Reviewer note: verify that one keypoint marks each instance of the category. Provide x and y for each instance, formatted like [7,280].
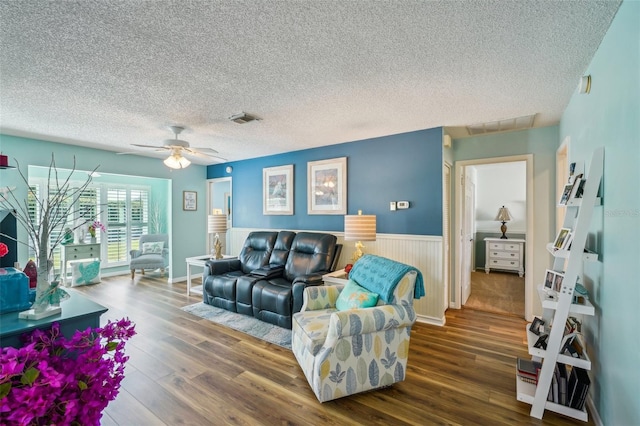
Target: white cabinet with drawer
[72,252]
[504,254]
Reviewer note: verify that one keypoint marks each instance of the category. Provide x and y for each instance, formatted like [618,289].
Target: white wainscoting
[423,252]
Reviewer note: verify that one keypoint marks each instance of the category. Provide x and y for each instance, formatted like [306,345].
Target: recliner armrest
[269,271]
[135,253]
[311,279]
[221,266]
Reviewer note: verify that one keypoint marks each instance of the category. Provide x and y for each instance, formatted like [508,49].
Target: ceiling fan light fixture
[176,161]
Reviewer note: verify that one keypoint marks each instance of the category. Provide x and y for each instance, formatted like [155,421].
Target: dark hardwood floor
[186,370]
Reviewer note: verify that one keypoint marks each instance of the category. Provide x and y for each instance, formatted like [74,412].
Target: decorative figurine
[68,237]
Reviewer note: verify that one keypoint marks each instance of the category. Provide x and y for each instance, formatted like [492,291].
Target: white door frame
[529,254]
[446,232]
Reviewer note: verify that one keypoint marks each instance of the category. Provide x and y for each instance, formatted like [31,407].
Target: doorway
[470,244]
[220,201]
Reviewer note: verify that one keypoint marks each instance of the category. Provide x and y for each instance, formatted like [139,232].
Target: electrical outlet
[403,204]
[392,206]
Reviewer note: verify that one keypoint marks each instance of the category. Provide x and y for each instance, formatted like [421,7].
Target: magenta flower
[55,380]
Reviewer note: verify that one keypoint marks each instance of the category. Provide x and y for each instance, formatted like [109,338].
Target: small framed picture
[566,194]
[537,326]
[557,281]
[189,200]
[548,280]
[541,343]
[562,239]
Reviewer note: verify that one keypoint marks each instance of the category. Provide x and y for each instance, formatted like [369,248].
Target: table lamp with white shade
[503,216]
[217,224]
[360,227]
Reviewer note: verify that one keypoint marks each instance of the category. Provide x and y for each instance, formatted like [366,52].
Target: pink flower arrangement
[95,226]
[54,380]
[3,249]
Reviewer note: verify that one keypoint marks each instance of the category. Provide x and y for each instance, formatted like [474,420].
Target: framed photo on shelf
[561,239]
[277,190]
[189,200]
[548,280]
[566,193]
[537,326]
[541,343]
[557,281]
[327,192]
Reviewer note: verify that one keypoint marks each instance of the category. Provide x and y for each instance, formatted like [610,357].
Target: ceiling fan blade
[150,146]
[190,152]
[205,150]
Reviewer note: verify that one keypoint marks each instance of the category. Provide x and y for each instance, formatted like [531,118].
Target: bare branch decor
[55,205]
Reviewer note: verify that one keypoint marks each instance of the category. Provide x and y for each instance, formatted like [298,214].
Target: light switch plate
[392,206]
[403,204]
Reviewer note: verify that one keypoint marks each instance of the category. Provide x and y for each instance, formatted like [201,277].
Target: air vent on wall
[518,123]
[242,118]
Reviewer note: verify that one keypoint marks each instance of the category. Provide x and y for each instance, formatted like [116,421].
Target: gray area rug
[246,324]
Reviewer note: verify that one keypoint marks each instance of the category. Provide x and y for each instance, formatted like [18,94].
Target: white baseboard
[431,320]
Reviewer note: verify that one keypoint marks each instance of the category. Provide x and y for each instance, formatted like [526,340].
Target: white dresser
[504,254]
[72,252]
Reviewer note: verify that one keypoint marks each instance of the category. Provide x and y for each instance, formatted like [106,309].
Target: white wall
[497,185]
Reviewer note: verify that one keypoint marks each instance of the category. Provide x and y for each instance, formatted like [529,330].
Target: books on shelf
[569,386]
[528,370]
[578,388]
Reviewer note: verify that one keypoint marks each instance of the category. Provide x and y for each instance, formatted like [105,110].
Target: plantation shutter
[116,225]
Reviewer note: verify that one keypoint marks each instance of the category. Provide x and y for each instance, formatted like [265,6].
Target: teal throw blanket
[381,275]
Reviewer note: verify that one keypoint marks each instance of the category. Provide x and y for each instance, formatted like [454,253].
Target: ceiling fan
[178,147]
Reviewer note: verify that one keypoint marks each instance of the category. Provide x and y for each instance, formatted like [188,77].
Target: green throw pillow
[355,297]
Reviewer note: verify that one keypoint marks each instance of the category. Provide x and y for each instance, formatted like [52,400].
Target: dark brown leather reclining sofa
[268,277]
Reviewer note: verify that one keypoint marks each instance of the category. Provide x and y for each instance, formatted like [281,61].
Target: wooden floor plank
[187,370]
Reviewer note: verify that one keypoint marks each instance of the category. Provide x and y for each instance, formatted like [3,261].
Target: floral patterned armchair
[355,350]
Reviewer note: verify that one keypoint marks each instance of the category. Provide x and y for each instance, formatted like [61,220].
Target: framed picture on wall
[327,192]
[277,190]
[189,200]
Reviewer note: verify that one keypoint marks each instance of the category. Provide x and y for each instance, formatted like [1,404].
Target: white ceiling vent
[242,118]
[518,123]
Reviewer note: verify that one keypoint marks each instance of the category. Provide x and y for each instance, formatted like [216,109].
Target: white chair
[152,253]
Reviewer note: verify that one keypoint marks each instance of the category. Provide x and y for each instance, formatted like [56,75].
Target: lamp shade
[360,227]
[177,161]
[503,215]
[216,223]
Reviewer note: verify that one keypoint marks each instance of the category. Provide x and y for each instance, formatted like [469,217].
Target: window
[124,209]
[127,217]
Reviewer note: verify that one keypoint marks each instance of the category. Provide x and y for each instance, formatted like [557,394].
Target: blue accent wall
[402,167]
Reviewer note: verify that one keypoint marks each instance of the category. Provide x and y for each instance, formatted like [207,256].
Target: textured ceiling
[107,74]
